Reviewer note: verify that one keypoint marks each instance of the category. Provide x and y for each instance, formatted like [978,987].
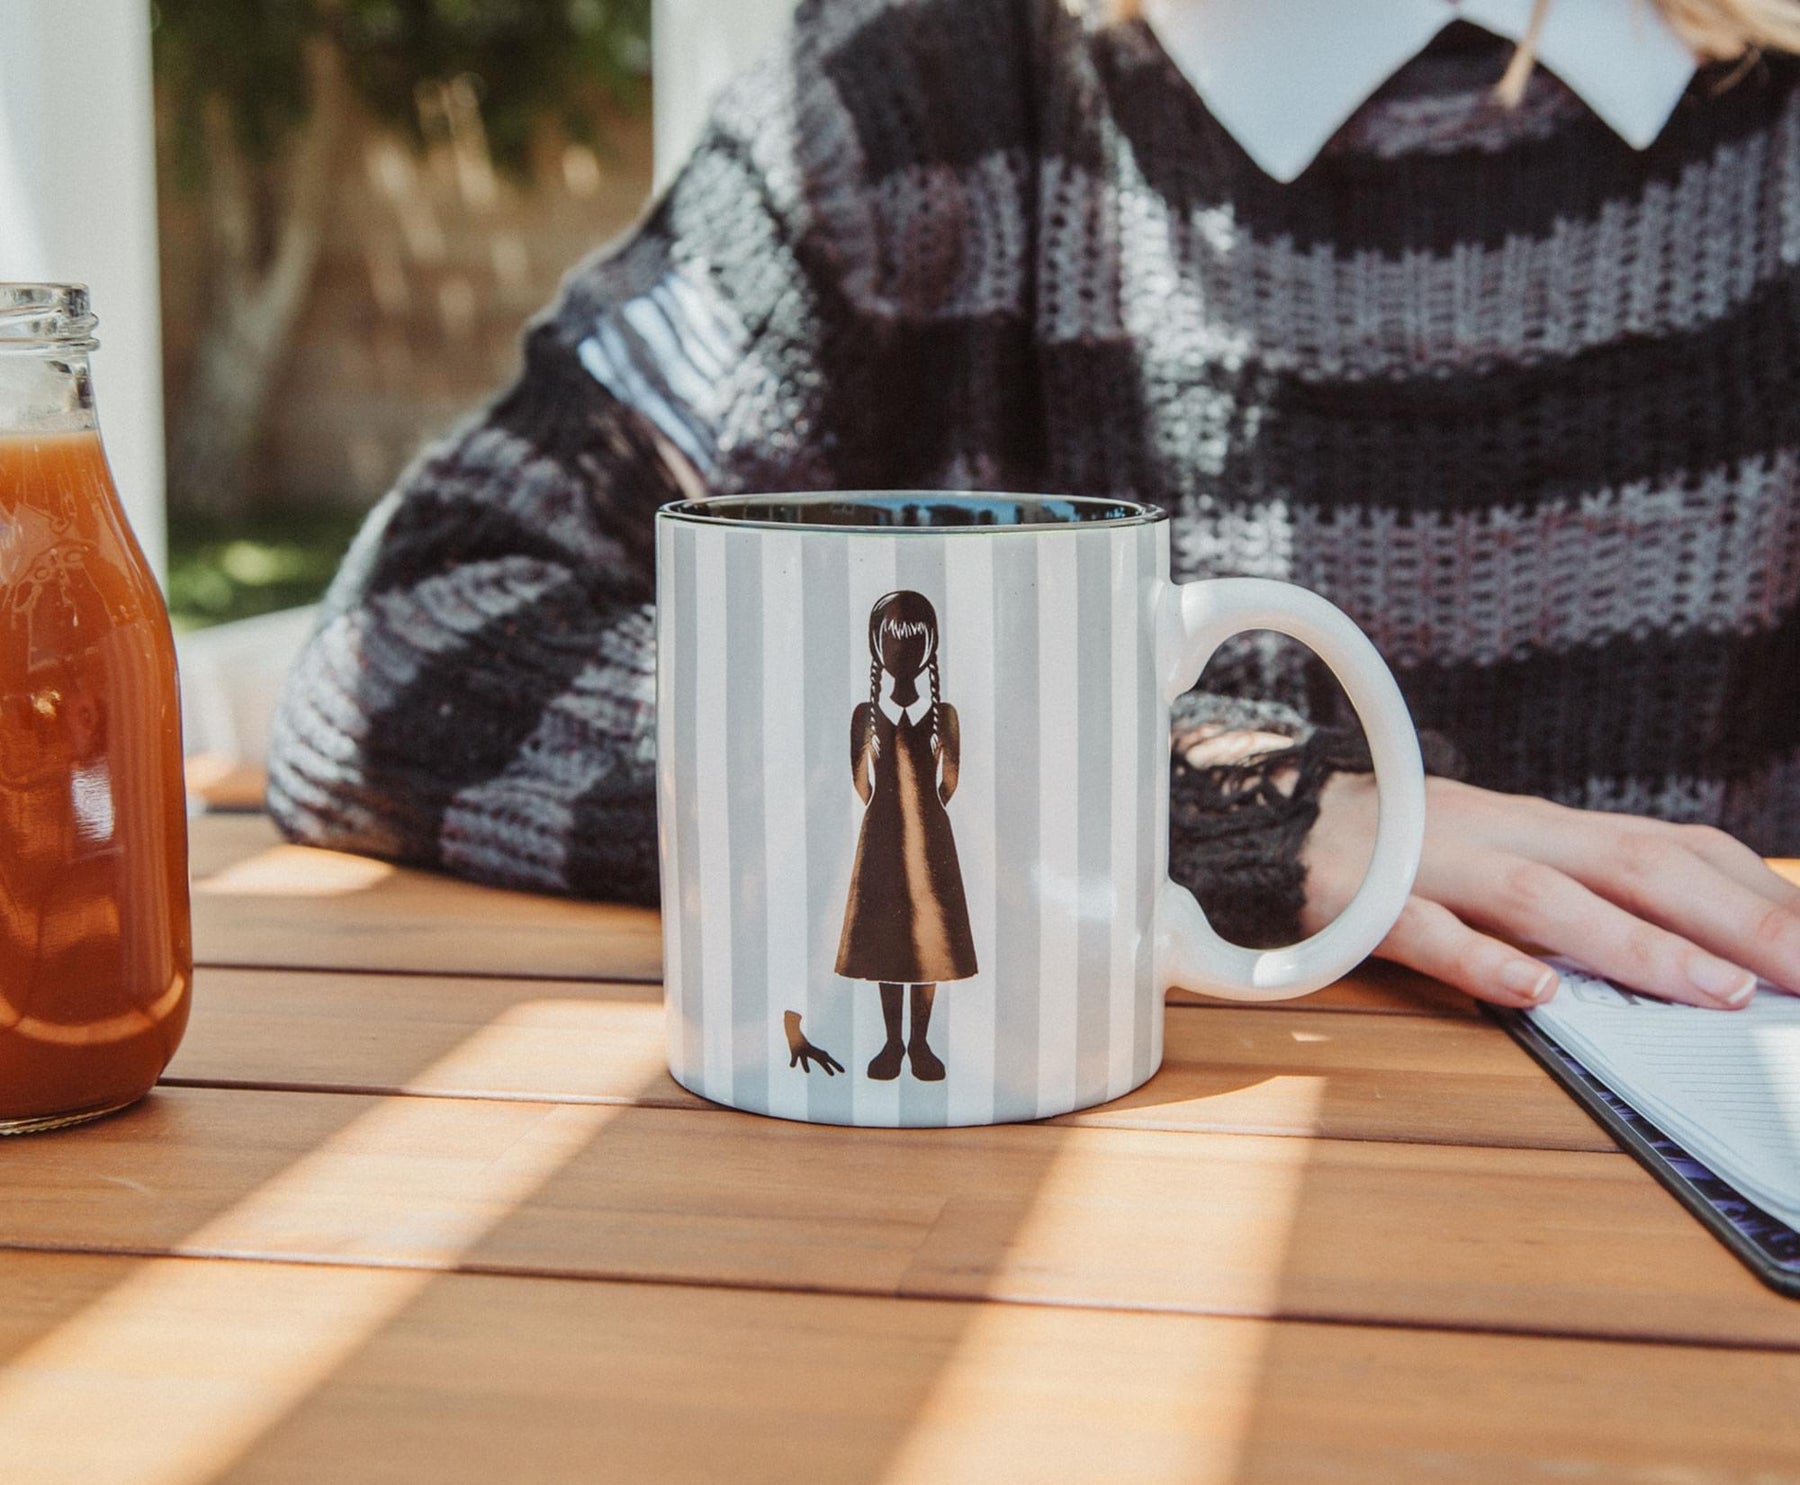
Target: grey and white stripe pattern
[667,353]
[960,244]
[1482,586]
[1765,800]
[1046,650]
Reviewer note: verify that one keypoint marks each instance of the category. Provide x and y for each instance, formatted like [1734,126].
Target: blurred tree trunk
[265,264]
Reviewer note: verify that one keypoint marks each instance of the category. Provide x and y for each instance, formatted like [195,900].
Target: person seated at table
[1515,380]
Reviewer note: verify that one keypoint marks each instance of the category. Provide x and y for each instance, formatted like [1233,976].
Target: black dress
[906,921]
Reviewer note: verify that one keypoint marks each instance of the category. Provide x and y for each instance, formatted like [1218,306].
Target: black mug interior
[917,510]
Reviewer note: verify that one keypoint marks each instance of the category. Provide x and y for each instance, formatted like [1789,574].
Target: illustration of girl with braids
[906,923]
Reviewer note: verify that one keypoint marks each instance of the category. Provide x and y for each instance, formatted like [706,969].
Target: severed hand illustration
[802,1053]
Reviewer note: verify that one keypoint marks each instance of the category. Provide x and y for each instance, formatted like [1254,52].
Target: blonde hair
[1717,30]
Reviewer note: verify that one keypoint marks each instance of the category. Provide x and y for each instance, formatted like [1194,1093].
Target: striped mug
[913,799]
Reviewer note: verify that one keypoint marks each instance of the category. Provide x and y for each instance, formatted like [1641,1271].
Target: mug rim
[713,510]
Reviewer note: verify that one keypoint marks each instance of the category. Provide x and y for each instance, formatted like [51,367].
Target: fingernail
[1720,981]
[1524,977]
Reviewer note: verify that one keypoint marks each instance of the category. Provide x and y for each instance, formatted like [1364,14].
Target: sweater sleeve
[478,694]
[1236,830]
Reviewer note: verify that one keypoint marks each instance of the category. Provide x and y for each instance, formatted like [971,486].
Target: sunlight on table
[1195,1414]
[296,871]
[173,1375]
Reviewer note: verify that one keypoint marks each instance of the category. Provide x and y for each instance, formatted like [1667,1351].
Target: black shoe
[927,1067]
[885,1066]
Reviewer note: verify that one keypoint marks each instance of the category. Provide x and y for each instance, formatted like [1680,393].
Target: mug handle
[1193,620]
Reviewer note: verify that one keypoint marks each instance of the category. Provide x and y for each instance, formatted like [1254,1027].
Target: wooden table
[418,1202]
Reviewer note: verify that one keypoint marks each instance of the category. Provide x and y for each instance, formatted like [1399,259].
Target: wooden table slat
[281,1375]
[1449,1236]
[1230,1069]
[260,902]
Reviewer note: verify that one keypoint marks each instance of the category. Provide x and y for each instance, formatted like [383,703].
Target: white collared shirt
[1283,75]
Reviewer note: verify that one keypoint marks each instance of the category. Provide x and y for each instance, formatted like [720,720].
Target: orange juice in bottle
[96,955]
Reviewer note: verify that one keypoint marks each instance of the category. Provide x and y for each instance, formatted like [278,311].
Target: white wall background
[696,45]
[78,203]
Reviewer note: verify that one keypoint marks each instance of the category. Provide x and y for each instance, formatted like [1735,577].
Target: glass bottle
[96,953]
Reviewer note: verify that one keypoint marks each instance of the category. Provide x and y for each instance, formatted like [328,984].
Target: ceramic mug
[913,794]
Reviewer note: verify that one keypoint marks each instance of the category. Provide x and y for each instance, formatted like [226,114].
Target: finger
[1431,939]
[1738,862]
[1220,748]
[1539,828]
[1536,903]
[1657,877]
[833,1066]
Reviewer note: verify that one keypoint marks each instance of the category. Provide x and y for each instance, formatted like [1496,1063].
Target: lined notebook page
[1724,1084]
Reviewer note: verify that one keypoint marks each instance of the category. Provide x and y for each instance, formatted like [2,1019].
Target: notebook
[1724,1085]
[1767,1245]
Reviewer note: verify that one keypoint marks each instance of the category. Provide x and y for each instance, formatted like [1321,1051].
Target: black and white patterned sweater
[1518,398]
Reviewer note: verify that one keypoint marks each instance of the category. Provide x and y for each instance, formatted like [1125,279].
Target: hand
[801,1052]
[1681,912]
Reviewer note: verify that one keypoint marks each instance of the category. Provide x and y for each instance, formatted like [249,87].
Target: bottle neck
[45,389]
[46,332]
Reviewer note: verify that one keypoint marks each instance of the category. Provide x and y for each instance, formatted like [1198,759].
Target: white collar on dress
[892,711]
[1284,75]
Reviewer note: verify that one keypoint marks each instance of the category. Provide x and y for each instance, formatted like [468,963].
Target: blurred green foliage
[269,561]
[532,62]
[561,65]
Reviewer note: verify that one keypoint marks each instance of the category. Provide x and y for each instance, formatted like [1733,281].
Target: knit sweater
[1518,398]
